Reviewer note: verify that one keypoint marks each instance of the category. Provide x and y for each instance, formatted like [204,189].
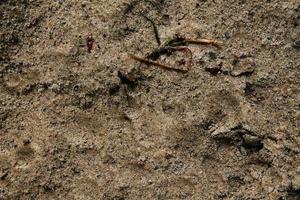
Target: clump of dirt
[80,120]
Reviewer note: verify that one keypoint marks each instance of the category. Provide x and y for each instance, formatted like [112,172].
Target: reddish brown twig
[167,67]
[150,62]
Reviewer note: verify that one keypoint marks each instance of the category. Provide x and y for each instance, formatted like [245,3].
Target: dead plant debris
[90,43]
[171,45]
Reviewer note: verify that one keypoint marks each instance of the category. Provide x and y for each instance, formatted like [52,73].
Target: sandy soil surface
[87,125]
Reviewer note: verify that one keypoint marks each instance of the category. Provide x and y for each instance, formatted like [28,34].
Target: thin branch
[155,30]
[167,67]
[150,62]
[205,42]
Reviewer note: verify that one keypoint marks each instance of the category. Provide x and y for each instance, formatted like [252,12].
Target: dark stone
[296,44]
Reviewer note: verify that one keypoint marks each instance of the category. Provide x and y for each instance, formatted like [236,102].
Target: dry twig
[150,62]
[177,43]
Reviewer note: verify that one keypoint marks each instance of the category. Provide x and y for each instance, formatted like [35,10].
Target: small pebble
[251,140]
[296,44]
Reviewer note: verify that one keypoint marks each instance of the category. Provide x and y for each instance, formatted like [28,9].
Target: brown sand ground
[71,129]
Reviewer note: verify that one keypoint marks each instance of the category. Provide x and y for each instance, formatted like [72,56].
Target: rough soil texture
[71,128]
